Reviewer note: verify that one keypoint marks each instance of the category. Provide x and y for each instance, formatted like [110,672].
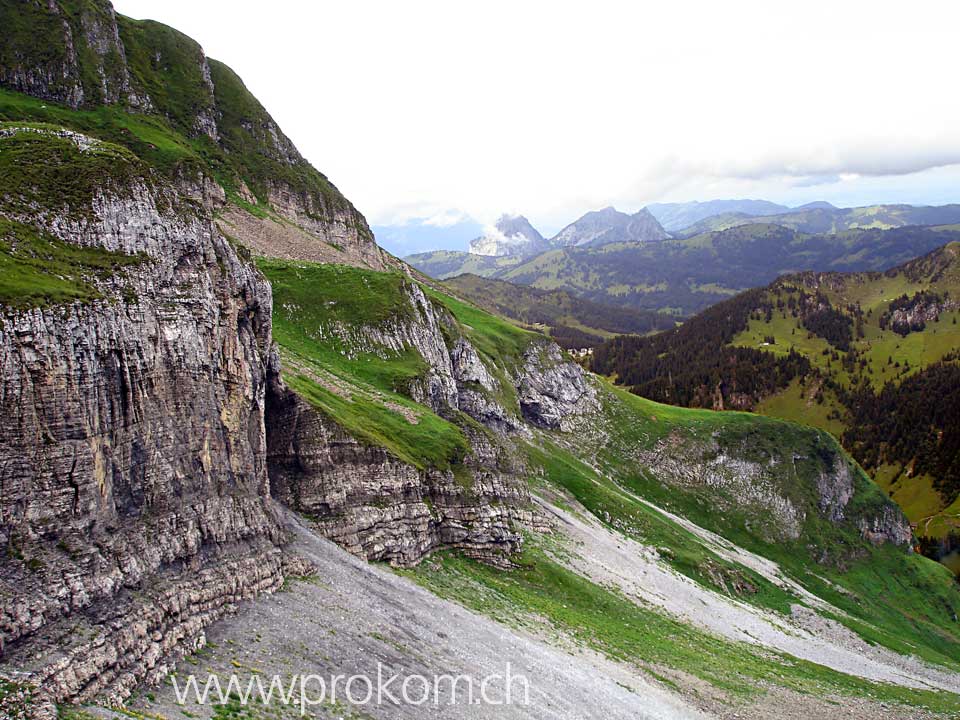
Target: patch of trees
[916,421]
[573,338]
[691,364]
[939,548]
[821,318]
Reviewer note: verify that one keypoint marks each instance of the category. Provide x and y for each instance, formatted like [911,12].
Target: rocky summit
[512,235]
[237,439]
[607,226]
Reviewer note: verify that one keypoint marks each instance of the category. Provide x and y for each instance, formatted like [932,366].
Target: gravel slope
[358,614]
[355,615]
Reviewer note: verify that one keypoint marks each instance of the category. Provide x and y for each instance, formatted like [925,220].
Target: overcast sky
[430,109]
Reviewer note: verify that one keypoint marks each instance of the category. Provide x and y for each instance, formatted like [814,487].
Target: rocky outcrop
[911,314]
[477,390]
[732,481]
[769,491]
[132,448]
[334,225]
[552,393]
[889,525]
[835,489]
[381,508]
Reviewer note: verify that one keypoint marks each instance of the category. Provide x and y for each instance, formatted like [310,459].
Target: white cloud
[446,218]
[554,108]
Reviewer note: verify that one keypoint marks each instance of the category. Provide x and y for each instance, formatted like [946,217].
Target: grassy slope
[903,602]
[917,350]
[362,387]
[39,170]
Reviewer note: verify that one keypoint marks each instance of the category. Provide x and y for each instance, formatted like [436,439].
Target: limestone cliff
[382,507]
[135,507]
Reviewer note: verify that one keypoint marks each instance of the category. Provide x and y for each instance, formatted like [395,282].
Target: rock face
[384,509]
[552,393]
[84,62]
[512,235]
[135,494]
[602,227]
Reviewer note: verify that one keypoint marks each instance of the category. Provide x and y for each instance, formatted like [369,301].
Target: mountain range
[676,219]
[684,276]
[610,226]
[513,235]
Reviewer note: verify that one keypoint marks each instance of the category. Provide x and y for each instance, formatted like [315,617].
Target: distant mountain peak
[817,205]
[609,225]
[512,235]
[677,216]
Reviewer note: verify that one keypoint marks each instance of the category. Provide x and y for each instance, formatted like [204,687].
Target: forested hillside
[871,357]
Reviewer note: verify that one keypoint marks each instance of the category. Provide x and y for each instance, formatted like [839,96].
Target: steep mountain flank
[148,87]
